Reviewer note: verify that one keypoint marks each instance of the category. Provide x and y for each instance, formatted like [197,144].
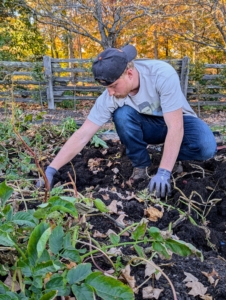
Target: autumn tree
[102,21]
[201,24]
[19,35]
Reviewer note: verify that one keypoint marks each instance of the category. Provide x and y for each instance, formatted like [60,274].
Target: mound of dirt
[196,211]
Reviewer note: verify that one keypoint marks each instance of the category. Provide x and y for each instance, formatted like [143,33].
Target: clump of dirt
[198,192]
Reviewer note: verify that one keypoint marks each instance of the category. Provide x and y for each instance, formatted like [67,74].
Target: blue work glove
[50,172]
[161,183]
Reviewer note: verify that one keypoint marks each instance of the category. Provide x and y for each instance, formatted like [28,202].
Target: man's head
[111,63]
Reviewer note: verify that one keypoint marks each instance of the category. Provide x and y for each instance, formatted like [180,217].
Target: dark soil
[200,191]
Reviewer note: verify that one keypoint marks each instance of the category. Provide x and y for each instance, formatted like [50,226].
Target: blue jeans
[137,130]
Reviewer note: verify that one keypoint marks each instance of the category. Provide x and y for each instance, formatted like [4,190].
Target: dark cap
[111,63]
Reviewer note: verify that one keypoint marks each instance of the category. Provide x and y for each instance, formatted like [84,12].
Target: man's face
[122,86]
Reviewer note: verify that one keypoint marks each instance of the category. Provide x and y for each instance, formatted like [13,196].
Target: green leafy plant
[68,126]
[97,142]
[50,249]
[51,257]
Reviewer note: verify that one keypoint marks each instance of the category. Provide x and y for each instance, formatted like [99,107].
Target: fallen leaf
[42,157]
[96,171]
[103,190]
[115,251]
[110,231]
[47,278]
[129,182]
[149,270]
[98,234]
[90,188]
[197,288]
[149,292]
[216,282]
[189,277]
[130,196]
[71,265]
[158,275]
[109,163]
[125,273]
[113,207]
[104,151]
[9,282]
[115,170]
[126,233]
[105,197]
[94,162]
[120,219]
[206,297]
[109,272]
[210,276]
[153,213]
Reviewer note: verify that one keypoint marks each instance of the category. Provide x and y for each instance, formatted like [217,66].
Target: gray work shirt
[159,92]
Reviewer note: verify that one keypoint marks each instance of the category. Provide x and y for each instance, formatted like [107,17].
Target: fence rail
[58,80]
[209,86]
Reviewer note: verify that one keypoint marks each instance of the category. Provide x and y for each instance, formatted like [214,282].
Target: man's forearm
[171,149]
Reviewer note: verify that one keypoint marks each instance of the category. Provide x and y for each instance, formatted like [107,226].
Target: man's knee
[201,149]
[205,151]
[208,151]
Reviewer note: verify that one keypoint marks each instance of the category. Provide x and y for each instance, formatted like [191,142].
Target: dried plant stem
[198,167]
[146,280]
[23,142]
[22,196]
[98,249]
[193,204]
[117,223]
[31,152]
[24,200]
[213,201]
[91,255]
[74,185]
[160,270]
[73,172]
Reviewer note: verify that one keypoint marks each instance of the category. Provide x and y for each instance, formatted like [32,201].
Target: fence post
[184,75]
[48,76]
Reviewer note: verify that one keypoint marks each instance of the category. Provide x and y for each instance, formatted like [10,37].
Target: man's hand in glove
[50,172]
[161,183]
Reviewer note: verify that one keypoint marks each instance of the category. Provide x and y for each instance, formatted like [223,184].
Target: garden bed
[199,192]
[113,213]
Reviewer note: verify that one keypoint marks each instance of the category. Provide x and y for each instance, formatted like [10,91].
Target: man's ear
[130,73]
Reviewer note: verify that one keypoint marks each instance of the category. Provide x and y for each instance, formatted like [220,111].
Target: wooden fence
[58,80]
[207,85]
[73,80]
[22,82]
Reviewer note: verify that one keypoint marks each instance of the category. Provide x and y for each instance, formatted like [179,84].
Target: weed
[68,126]
[51,254]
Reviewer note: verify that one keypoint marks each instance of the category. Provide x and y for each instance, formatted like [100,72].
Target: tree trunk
[156,43]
